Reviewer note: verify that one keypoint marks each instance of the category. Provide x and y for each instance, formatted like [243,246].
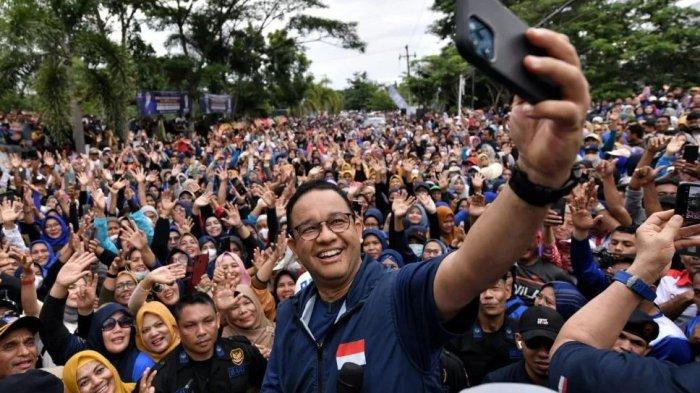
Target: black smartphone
[690,153]
[490,37]
[560,208]
[688,202]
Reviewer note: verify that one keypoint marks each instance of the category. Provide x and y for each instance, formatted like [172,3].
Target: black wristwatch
[535,194]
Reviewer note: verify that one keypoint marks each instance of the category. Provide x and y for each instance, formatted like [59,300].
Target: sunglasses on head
[158,288]
[9,316]
[123,322]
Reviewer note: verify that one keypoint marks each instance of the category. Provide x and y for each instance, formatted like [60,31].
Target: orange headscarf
[158,309]
[445,213]
[70,372]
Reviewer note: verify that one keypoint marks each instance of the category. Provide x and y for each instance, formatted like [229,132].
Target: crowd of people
[270,255]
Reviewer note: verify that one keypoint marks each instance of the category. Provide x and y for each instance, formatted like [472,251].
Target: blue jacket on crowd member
[61,344]
[515,307]
[592,280]
[388,322]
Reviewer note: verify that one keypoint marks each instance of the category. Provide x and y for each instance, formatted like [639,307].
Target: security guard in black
[235,366]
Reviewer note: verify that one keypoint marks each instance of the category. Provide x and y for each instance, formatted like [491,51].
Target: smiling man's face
[332,258]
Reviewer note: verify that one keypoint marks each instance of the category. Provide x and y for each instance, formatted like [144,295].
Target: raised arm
[600,321]
[538,131]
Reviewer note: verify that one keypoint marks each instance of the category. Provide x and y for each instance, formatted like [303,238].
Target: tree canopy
[623,45]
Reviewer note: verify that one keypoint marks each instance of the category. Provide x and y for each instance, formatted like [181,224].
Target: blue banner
[215,103]
[162,102]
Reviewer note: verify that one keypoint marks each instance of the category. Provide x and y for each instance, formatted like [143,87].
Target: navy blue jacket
[389,323]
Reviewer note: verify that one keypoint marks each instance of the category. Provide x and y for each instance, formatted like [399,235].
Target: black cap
[422,185]
[540,321]
[31,381]
[643,325]
[12,321]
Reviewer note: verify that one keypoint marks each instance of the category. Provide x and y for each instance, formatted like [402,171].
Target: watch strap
[636,285]
[535,194]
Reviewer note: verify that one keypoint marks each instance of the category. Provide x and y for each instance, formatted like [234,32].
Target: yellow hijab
[158,309]
[70,372]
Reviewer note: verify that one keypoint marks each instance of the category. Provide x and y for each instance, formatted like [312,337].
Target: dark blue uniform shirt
[577,367]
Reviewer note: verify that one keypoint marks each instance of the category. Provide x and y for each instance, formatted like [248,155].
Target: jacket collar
[367,277]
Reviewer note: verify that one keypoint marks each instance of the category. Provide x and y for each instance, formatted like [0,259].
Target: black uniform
[512,373]
[235,367]
[482,352]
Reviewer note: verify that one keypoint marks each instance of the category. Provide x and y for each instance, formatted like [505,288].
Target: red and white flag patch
[352,352]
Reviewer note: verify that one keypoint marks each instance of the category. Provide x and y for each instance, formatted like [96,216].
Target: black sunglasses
[123,322]
[158,288]
[539,342]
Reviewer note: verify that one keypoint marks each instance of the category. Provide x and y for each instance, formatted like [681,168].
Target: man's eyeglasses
[123,322]
[336,223]
[125,285]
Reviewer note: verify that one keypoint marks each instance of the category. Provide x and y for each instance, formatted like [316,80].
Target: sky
[386,26]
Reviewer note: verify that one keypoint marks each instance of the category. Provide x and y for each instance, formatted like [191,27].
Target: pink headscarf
[243,273]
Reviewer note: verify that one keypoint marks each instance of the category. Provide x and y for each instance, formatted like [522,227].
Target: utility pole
[408,57]
[460,93]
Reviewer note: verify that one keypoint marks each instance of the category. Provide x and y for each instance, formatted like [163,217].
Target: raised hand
[224,295]
[87,296]
[427,202]
[98,199]
[269,197]
[10,211]
[233,217]
[658,238]
[478,181]
[146,381]
[75,269]
[139,175]
[606,169]
[15,161]
[166,203]
[204,199]
[581,214]
[49,159]
[477,205]
[553,219]
[675,145]
[134,236]
[166,274]
[83,179]
[401,204]
[551,126]
[642,177]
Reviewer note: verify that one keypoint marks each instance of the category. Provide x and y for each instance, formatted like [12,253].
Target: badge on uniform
[237,356]
[352,352]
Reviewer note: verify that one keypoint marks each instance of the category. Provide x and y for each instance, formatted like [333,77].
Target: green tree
[623,45]
[320,98]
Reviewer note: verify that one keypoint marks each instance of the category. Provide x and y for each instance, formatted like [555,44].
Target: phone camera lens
[481,37]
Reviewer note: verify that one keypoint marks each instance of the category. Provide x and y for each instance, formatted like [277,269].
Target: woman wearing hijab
[55,232]
[446,220]
[156,330]
[245,317]
[374,242]
[229,266]
[391,260]
[88,371]
[283,284]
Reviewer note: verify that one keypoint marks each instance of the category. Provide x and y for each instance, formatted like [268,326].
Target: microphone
[350,378]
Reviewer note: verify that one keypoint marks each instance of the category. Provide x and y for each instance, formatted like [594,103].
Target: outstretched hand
[658,238]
